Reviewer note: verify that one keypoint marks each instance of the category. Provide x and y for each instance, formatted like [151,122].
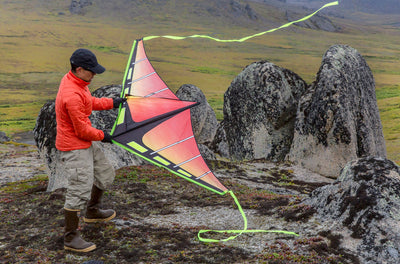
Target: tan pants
[84,168]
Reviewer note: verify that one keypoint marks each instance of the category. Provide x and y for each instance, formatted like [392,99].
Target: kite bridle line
[248,37]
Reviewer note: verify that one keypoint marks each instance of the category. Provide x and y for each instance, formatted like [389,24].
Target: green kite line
[238,232]
[244,38]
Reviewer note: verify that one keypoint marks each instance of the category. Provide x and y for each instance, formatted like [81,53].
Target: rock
[220,144]
[365,199]
[77,7]
[259,112]
[238,10]
[204,121]
[3,137]
[338,119]
[45,136]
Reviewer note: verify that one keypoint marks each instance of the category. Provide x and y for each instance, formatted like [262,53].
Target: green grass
[388,92]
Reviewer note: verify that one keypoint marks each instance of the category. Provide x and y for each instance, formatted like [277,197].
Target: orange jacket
[74,104]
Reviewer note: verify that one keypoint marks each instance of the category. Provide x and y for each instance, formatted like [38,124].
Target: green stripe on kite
[239,232]
[121,117]
[162,161]
[136,146]
[244,38]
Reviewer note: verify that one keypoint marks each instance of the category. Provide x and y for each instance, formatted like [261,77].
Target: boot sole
[97,220]
[83,250]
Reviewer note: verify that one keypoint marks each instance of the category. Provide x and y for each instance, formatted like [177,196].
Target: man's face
[84,74]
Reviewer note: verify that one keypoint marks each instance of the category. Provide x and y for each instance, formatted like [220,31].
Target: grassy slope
[37,41]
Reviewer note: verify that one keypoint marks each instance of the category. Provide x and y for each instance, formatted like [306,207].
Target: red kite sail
[155,124]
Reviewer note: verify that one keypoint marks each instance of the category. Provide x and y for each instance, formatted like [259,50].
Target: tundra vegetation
[38,39]
[35,46]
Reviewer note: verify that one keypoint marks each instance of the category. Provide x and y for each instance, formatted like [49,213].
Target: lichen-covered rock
[259,111]
[338,119]
[220,144]
[3,137]
[204,121]
[366,200]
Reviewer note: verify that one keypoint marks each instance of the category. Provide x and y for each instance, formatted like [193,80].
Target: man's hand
[118,101]
[107,138]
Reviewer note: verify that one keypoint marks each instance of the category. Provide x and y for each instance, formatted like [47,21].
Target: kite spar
[155,125]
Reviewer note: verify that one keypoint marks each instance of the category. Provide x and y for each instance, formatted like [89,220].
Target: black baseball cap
[86,59]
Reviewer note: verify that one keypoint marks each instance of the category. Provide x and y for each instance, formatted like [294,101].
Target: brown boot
[93,211]
[72,238]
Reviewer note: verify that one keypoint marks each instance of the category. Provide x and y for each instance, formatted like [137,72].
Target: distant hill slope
[221,12]
[366,6]
[373,6]
[181,13]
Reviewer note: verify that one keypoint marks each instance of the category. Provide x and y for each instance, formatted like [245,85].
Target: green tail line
[244,38]
[238,232]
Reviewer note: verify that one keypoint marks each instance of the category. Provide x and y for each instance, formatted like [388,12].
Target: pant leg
[104,172]
[79,168]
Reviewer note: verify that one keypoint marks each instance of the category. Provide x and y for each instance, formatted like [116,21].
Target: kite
[156,125]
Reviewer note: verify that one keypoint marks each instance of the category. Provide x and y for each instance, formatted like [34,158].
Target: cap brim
[98,69]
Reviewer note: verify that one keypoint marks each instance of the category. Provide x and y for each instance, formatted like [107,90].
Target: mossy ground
[32,222]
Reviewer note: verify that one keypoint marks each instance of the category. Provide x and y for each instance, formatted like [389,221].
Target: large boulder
[204,121]
[259,112]
[363,206]
[338,118]
[220,143]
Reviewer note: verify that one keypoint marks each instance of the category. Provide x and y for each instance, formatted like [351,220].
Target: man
[89,172]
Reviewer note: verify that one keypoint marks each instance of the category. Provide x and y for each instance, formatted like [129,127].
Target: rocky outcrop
[238,10]
[45,137]
[3,137]
[259,112]
[364,199]
[78,6]
[220,143]
[338,119]
[204,121]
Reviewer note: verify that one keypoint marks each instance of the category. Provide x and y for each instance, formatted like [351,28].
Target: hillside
[38,37]
[367,6]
